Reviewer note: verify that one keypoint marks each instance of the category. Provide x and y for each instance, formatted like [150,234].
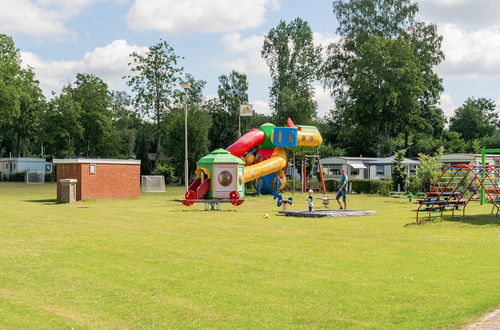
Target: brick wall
[114,181]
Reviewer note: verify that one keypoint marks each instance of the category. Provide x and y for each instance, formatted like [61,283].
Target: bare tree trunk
[18,145]
[158,143]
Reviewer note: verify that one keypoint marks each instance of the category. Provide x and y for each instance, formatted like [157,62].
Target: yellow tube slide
[271,165]
[309,138]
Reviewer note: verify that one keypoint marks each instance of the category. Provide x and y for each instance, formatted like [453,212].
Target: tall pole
[293,173]
[186,85]
[239,125]
[186,163]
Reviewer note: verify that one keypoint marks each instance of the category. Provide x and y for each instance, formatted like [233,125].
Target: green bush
[384,188]
[17,177]
[289,185]
[50,177]
[380,187]
[331,185]
[165,170]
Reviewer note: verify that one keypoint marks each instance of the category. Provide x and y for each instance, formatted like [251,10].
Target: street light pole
[186,85]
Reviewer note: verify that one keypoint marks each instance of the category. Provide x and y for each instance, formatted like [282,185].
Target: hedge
[380,187]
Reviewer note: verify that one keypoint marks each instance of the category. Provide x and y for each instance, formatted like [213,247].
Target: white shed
[14,165]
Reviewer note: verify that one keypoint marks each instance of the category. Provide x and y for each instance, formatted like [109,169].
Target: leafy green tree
[475,119]
[126,123]
[293,61]
[26,125]
[428,171]
[222,133]
[232,92]
[62,126]
[199,124]
[399,170]
[154,82]
[10,69]
[453,142]
[144,144]
[383,63]
[94,98]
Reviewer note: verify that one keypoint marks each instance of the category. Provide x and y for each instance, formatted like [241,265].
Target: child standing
[310,200]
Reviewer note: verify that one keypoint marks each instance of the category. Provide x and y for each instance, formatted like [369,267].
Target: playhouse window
[225,178]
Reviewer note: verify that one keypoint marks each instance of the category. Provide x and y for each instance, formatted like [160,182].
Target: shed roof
[220,156]
[390,160]
[97,161]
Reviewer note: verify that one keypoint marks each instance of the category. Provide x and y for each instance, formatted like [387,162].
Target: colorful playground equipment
[256,156]
[457,186]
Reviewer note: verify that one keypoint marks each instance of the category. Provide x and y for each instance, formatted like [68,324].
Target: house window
[380,170]
[92,168]
[354,172]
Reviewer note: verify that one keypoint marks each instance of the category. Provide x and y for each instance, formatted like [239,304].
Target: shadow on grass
[477,220]
[216,211]
[44,201]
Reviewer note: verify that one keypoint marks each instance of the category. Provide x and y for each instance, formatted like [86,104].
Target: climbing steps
[456,187]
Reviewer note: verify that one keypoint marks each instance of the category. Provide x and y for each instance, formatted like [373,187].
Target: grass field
[152,263]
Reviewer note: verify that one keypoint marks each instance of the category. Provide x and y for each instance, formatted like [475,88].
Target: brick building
[101,178]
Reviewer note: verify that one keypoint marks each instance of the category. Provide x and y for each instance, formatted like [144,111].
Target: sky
[60,38]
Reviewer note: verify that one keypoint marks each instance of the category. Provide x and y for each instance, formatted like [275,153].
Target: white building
[355,167]
[469,159]
[363,167]
[14,165]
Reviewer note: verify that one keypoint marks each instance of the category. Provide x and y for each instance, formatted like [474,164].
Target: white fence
[34,177]
[153,183]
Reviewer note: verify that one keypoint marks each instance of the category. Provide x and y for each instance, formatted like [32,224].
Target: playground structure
[458,185]
[257,156]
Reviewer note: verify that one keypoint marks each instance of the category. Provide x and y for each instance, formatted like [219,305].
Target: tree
[155,84]
[399,170]
[232,92]
[26,125]
[293,61]
[199,123]
[126,123]
[62,126]
[222,133]
[382,45]
[428,171]
[10,68]
[475,119]
[94,98]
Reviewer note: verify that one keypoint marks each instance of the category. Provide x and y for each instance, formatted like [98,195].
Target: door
[224,180]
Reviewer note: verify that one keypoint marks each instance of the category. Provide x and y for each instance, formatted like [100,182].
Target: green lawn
[153,263]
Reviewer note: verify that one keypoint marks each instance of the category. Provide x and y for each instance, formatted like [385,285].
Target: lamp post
[185,85]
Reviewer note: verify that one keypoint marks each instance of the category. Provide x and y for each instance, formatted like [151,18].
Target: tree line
[380,73]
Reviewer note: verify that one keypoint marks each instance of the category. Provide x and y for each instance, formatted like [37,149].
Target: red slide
[247,142]
[198,190]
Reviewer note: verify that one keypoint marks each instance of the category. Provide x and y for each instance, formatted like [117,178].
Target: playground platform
[321,213]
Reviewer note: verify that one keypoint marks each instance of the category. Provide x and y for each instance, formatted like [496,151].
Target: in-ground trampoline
[326,213]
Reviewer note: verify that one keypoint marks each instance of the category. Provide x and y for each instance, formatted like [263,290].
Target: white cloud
[248,58]
[198,16]
[447,104]
[261,107]
[25,17]
[41,18]
[470,53]
[467,14]
[247,52]
[324,100]
[109,63]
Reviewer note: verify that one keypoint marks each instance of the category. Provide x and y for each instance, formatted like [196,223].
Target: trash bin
[68,190]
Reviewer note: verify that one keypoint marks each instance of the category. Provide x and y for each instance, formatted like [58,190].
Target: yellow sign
[246,110]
